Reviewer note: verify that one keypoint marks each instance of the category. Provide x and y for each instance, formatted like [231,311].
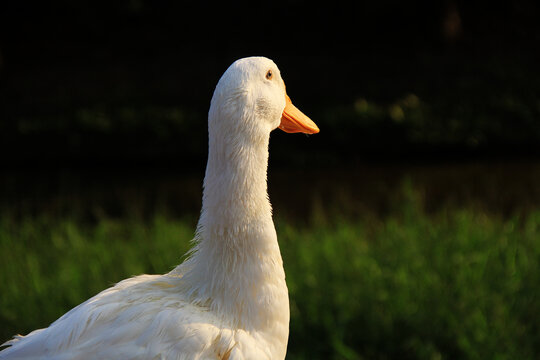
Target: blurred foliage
[458,284]
[452,284]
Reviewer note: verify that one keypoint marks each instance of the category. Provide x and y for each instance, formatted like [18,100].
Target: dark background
[129,82]
[105,95]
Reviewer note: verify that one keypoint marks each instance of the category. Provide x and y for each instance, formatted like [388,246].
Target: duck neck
[235,187]
[236,267]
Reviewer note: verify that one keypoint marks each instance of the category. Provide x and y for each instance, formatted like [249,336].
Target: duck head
[250,99]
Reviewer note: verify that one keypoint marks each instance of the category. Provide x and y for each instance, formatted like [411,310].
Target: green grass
[410,285]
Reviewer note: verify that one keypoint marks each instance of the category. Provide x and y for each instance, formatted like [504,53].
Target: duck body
[229,299]
[144,317]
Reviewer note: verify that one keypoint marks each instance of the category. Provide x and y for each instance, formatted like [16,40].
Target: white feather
[229,299]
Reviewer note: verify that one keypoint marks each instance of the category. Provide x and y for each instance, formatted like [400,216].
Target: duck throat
[236,266]
[235,187]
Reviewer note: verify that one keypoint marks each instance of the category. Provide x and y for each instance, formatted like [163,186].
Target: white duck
[229,299]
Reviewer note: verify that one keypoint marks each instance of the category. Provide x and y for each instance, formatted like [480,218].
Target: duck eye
[269,75]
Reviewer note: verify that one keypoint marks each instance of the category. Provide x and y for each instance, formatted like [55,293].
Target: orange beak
[294,121]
